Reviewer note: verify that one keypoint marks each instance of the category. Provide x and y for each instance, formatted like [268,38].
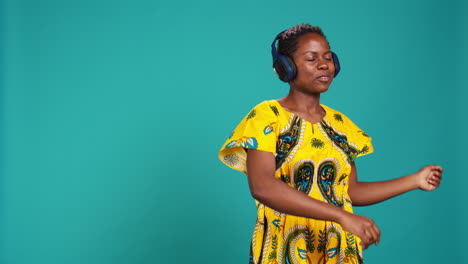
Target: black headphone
[284,65]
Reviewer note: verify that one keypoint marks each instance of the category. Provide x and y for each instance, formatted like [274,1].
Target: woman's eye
[329,59]
[313,59]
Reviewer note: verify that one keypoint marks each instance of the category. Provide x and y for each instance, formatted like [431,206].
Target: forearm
[281,197]
[367,193]
[285,199]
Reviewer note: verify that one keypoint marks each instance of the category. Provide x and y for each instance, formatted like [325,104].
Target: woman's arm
[278,195]
[367,193]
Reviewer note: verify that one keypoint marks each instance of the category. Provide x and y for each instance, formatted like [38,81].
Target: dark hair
[287,42]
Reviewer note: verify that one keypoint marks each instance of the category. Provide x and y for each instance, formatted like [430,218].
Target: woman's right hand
[361,226]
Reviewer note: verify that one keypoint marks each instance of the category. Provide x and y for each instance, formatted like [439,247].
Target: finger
[437,175]
[371,235]
[364,245]
[435,179]
[377,231]
[366,237]
[375,234]
[435,167]
[432,185]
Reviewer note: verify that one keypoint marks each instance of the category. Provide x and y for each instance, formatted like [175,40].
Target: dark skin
[315,71]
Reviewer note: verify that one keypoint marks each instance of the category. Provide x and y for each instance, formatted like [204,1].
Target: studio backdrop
[113,112]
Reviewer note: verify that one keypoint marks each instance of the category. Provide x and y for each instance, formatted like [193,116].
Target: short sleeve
[359,138]
[364,143]
[257,130]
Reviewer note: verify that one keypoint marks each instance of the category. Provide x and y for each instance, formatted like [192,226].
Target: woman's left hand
[428,178]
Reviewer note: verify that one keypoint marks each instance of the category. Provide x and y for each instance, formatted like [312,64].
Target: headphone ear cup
[284,68]
[336,61]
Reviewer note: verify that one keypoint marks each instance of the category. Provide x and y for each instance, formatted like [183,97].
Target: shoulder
[340,120]
[265,109]
[336,116]
[269,106]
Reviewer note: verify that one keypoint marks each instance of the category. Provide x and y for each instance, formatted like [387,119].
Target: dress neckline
[324,108]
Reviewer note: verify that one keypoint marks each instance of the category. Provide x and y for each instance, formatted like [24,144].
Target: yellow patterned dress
[312,158]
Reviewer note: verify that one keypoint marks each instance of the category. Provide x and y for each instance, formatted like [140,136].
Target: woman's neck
[302,103]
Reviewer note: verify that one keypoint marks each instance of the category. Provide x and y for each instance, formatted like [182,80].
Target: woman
[299,158]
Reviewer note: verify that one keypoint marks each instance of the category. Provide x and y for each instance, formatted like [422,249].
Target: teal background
[113,113]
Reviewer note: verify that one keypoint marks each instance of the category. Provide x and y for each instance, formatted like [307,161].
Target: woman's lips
[324,78]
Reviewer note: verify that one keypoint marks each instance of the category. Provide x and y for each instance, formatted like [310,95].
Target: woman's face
[314,64]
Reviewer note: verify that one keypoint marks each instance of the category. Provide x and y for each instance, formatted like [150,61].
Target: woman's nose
[323,65]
